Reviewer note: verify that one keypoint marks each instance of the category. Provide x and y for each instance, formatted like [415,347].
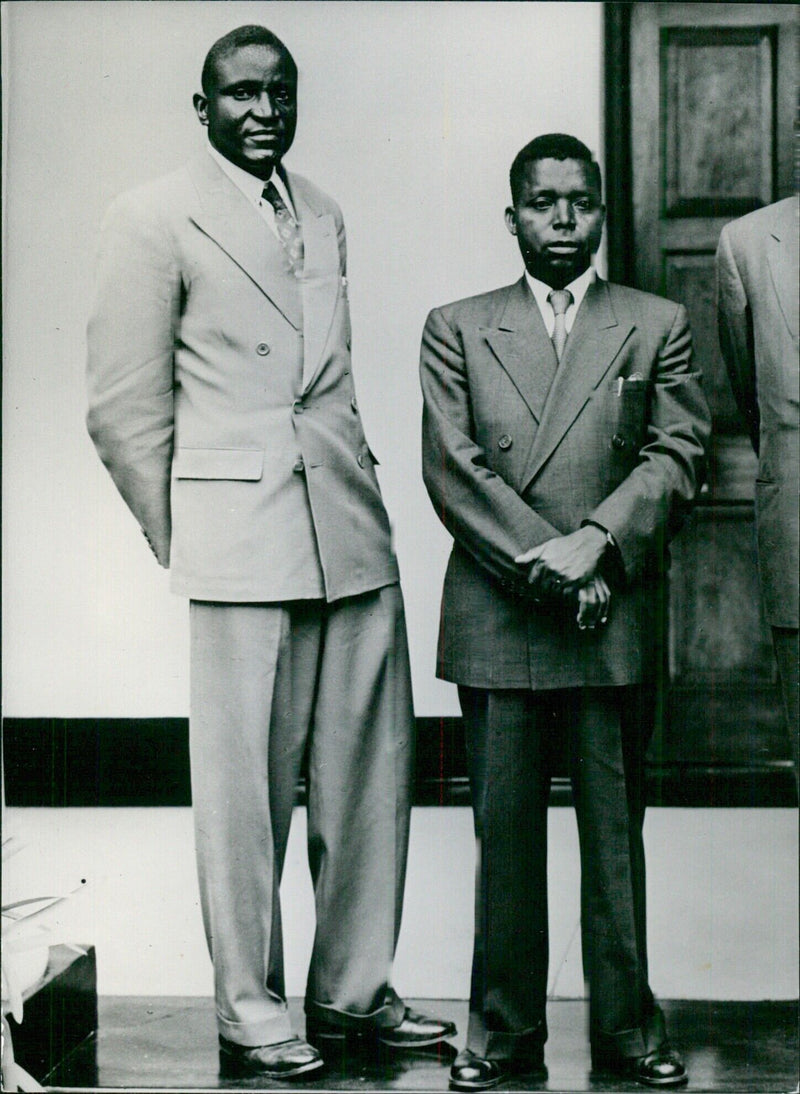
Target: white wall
[721,886]
[410,114]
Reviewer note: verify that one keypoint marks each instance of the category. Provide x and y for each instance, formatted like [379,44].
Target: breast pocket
[627,401]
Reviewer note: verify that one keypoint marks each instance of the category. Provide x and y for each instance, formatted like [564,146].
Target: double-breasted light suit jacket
[221,395]
[518,449]
[757,299]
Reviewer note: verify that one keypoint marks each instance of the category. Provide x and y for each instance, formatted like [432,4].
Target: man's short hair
[552,146]
[249,35]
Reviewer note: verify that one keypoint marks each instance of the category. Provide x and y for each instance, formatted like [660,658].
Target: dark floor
[170,1044]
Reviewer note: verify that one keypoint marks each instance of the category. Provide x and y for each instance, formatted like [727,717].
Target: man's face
[557,219]
[251,111]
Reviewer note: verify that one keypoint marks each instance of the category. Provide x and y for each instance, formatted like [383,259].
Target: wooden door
[713,93]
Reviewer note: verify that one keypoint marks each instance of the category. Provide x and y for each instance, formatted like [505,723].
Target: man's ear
[201,108]
[598,234]
[511,220]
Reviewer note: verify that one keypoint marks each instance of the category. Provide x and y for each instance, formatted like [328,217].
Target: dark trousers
[516,739]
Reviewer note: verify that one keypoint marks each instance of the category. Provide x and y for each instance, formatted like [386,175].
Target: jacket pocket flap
[218,463]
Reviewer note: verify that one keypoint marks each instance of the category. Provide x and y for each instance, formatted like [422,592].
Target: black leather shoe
[471,1072]
[284,1060]
[661,1067]
[415,1031]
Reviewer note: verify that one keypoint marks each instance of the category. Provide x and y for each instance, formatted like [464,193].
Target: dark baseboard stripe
[55,762]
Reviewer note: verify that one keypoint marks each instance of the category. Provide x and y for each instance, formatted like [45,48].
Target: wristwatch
[610,541]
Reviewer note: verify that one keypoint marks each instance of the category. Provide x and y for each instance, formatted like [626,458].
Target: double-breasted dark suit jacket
[221,393]
[757,297]
[518,449]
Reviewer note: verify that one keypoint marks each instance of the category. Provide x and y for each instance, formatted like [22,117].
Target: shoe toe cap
[661,1069]
[470,1072]
[283,1058]
[418,1029]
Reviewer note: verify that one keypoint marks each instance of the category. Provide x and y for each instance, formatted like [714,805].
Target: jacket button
[354,405]
[262,349]
[504,442]
[360,459]
[299,465]
[619,442]
[297,406]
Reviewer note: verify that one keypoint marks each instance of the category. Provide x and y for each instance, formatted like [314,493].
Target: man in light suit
[221,400]
[757,300]
[563,440]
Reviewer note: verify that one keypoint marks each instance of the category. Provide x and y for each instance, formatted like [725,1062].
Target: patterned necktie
[289,231]
[560,300]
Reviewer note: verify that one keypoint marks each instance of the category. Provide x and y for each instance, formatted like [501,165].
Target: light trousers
[274,688]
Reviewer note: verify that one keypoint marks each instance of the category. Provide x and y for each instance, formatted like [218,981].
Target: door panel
[711,111]
[689,277]
[718,85]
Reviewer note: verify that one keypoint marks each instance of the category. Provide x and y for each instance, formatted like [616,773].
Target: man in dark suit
[757,300]
[221,400]
[563,440]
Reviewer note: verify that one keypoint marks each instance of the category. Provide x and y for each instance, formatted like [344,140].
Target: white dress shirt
[253,187]
[541,291]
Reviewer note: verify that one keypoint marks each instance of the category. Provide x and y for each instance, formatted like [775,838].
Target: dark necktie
[560,300]
[289,231]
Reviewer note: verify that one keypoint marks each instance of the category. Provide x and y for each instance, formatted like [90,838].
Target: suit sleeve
[736,335]
[485,515]
[131,338]
[650,504]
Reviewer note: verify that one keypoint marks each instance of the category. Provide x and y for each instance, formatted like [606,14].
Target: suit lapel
[594,341]
[521,344]
[782,255]
[226,216]
[320,283]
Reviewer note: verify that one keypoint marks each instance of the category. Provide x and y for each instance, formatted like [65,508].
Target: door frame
[617,139]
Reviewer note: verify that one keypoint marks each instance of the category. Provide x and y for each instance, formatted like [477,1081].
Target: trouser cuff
[501,1045]
[269,1031]
[622,1044]
[636,1042]
[387,1016]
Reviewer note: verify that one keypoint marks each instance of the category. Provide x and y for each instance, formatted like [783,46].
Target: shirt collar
[251,187]
[578,288]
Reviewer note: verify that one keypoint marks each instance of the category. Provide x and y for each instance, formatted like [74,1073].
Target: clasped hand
[567,566]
